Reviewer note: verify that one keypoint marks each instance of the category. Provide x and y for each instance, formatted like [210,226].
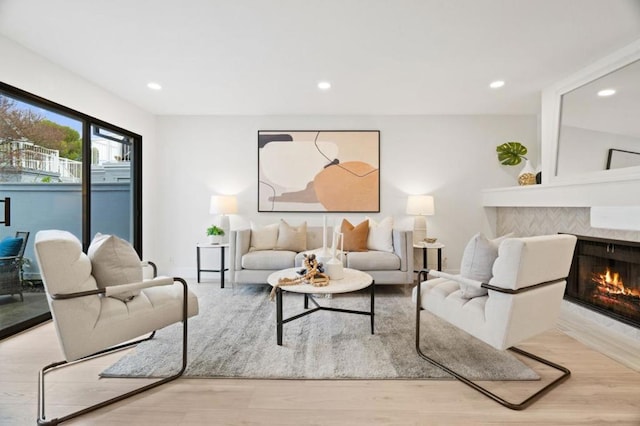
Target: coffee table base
[281,321]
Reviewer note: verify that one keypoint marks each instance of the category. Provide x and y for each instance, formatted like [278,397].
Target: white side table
[222,262]
[425,247]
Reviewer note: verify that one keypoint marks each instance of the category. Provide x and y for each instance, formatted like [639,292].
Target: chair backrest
[66,269]
[521,263]
[25,237]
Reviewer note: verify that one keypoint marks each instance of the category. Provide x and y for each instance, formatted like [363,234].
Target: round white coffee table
[353,280]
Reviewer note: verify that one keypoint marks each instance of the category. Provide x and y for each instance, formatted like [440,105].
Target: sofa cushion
[264,238]
[269,259]
[373,261]
[380,234]
[355,237]
[292,238]
[114,262]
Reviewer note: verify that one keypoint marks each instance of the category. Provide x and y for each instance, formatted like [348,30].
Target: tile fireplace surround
[528,221]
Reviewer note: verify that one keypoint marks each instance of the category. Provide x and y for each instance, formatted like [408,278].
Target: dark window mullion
[86,184]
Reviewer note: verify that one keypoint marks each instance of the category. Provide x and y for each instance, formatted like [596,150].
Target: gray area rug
[235,336]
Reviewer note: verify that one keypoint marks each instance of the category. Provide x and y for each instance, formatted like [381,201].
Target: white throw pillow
[114,262]
[380,235]
[477,263]
[292,238]
[264,238]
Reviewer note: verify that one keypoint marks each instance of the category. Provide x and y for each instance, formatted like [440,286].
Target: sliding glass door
[59,169]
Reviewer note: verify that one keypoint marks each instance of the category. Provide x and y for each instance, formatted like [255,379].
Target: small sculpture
[313,273]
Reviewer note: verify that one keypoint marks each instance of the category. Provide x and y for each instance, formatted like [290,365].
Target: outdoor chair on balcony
[100,302]
[518,297]
[11,254]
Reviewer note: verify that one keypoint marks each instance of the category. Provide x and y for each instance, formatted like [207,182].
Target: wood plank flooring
[600,391]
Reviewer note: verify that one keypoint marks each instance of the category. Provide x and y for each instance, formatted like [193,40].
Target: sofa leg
[512,405]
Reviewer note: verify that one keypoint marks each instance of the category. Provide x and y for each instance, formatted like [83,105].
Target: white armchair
[89,321]
[521,300]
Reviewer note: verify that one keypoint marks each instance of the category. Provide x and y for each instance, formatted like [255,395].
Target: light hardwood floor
[600,391]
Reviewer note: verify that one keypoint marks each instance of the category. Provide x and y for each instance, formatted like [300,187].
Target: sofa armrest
[403,248]
[239,242]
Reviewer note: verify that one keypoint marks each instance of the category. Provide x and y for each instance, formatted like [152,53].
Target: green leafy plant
[214,230]
[511,153]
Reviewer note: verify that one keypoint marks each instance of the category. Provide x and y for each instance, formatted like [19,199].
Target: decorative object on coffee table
[313,273]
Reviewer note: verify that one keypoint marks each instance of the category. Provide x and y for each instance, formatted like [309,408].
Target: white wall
[25,70]
[451,157]
[186,159]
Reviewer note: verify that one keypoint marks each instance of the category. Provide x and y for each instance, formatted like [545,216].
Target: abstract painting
[319,171]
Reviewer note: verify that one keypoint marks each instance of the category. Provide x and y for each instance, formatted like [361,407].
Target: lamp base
[224,224]
[419,229]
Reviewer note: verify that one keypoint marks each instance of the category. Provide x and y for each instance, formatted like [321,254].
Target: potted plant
[215,234]
[512,154]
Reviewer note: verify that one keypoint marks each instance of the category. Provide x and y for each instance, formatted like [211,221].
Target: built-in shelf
[575,194]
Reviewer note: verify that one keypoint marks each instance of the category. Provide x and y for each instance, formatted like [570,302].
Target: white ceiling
[381,56]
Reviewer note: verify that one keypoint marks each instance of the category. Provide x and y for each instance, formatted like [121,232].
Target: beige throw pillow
[264,238]
[380,235]
[292,238]
[355,237]
[114,262]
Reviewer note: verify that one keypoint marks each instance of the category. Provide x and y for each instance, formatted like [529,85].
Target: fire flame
[611,282]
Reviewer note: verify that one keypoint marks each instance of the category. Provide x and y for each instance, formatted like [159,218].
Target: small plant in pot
[215,234]
[512,154]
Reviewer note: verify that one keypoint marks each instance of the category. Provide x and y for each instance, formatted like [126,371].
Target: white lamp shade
[223,204]
[420,205]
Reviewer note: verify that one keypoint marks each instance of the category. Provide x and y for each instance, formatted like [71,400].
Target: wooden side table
[425,247]
[222,262]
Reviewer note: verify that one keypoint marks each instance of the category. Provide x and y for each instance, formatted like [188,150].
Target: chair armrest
[123,288]
[479,284]
[116,289]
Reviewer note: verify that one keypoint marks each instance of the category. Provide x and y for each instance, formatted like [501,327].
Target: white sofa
[253,267]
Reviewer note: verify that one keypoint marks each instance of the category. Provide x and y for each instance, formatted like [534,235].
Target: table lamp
[420,206]
[224,205]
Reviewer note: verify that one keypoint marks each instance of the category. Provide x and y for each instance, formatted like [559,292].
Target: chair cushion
[269,259]
[10,246]
[373,261]
[264,238]
[292,238]
[355,237]
[380,235]
[114,262]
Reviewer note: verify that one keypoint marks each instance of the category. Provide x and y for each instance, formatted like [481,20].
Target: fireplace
[605,277]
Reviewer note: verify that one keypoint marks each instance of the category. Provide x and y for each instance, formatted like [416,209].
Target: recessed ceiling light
[606,92]
[496,84]
[324,85]
[154,86]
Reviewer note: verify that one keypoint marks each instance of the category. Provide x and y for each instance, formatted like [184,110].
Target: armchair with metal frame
[523,299]
[11,269]
[89,323]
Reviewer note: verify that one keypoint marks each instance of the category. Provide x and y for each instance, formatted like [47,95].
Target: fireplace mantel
[574,194]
